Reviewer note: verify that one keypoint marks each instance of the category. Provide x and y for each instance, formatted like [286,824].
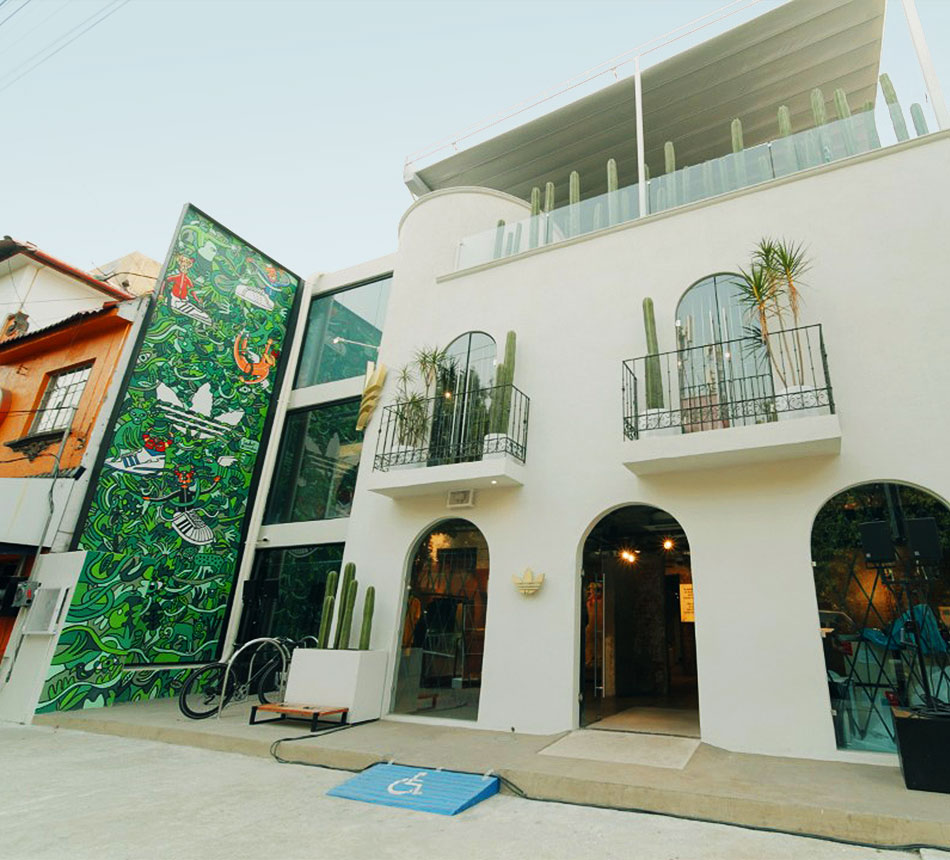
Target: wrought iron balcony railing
[456,427]
[748,380]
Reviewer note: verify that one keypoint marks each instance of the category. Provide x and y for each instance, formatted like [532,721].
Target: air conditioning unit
[460,499]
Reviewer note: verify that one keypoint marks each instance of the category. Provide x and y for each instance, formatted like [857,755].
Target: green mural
[165,517]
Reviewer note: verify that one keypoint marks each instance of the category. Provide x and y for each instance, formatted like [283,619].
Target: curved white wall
[872,229]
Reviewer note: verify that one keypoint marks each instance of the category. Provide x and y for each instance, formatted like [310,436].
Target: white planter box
[342,679]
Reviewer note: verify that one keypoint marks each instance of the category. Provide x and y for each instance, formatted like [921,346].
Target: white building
[718,485]
[668,492]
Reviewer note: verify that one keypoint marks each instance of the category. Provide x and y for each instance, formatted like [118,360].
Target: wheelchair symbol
[409,785]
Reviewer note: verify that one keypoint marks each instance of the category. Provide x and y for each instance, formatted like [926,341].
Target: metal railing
[748,380]
[456,427]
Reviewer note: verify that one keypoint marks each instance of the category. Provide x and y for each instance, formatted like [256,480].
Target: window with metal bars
[60,399]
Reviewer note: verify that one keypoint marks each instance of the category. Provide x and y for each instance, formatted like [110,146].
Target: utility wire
[15,11]
[41,22]
[113,7]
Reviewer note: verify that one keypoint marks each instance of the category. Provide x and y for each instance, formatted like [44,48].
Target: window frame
[50,389]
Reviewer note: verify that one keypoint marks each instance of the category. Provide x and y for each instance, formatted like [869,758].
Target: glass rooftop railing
[783,156]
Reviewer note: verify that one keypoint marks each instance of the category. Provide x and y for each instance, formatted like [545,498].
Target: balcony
[730,403]
[460,440]
[774,159]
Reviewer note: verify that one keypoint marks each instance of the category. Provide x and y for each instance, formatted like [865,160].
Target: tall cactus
[346,621]
[784,121]
[574,199]
[894,108]
[654,378]
[669,168]
[613,208]
[548,208]
[504,379]
[349,575]
[818,111]
[516,241]
[535,219]
[920,121]
[366,629]
[738,144]
[326,616]
[499,239]
[843,109]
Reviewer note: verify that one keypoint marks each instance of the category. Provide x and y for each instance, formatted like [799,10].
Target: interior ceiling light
[668,544]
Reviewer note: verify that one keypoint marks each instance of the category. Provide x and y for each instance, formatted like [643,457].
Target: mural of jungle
[165,517]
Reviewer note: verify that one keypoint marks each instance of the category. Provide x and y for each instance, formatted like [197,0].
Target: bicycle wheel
[268,685]
[201,694]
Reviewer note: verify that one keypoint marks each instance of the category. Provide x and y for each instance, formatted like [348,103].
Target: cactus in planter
[326,616]
[504,379]
[894,108]
[499,239]
[516,243]
[669,168]
[574,198]
[818,111]
[535,212]
[737,142]
[347,604]
[843,110]
[548,208]
[654,379]
[920,121]
[349,576]
[366,629]
[784,121]
[598,216]
[613,210]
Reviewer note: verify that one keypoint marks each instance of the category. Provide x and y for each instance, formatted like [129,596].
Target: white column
[641,166]
[931,80]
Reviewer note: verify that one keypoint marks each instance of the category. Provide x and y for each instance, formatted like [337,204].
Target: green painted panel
[166,512]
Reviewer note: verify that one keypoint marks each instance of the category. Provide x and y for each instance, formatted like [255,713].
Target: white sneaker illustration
[254,296]
[189,309]
[142,462]
[190,527]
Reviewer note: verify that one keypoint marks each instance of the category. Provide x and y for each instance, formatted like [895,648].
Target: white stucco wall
[874,229]
[43,293]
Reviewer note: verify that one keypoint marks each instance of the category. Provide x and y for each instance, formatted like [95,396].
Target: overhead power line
[15,11]
[87,24]
[23,36]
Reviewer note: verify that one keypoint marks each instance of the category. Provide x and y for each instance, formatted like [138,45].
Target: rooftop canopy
[690,99]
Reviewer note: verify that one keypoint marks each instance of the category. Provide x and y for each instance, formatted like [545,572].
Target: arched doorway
[443,632]
[638,644]
[881,559]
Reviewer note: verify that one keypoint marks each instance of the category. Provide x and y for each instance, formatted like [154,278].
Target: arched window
[870,608]
[443,637]
[460,411]
[725,375]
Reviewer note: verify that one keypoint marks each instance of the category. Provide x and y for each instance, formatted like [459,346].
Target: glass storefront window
[343,333]
[316,464]
[871,614]
[284,595]
[443,639]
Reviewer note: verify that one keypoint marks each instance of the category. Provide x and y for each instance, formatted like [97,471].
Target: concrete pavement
[77,795]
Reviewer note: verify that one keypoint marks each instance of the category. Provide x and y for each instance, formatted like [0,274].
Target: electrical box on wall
[460,499]
[25,593]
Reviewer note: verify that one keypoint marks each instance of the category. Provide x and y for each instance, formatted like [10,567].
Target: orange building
[58,382]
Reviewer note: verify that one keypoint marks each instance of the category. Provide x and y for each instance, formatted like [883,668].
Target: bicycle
[201,694]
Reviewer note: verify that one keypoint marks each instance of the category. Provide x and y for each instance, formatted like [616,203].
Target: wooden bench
[286,710]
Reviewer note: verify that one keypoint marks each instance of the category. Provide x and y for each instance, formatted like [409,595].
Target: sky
[287,121]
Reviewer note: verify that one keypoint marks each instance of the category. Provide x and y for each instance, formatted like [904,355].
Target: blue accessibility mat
[442,791]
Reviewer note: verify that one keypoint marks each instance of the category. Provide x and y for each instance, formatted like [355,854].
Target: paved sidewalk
[857,802]
[93,797]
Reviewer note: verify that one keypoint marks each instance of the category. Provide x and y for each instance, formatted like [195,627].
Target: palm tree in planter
[784,263]
[413,408]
